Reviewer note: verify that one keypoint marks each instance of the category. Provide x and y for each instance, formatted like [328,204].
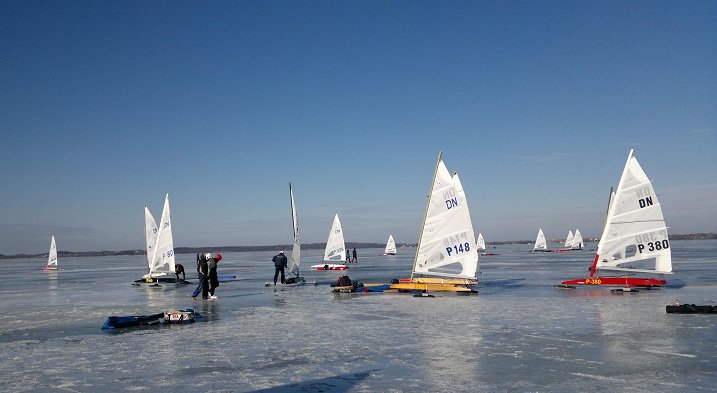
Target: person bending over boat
[178,268]
[213,278]
[280,263]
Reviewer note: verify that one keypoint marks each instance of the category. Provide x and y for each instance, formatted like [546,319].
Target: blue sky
[106,106]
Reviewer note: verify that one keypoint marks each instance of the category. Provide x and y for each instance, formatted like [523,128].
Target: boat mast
[425,213]
[293,219]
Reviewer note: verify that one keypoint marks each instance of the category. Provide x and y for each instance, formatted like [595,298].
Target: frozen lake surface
[518,334]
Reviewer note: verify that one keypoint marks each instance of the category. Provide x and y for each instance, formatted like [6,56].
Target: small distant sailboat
[480,243]
[540,243]
[446,257]
[577,242]
[160,247]
[51,256]
[635,233]
[335,249]
[293,277]
[390,246]
[569,239]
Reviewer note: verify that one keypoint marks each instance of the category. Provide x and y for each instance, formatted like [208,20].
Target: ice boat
[160,248]
[480,242]
[446,256]
[569,239]
[577,241]
[293,277]
[335,249]
[540,243]
[51,256]
[390,246]
[634,240]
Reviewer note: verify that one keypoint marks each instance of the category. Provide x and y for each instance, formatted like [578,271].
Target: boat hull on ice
[437,287]
[159,280]
[329,266]
[627,282]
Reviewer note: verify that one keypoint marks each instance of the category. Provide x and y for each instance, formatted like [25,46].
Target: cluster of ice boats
[634,242]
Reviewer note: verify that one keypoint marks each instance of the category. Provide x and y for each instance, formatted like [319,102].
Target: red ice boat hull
[626,282]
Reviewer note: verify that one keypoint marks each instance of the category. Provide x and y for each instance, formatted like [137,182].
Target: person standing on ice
[202,276]
[213,277]
[280,263]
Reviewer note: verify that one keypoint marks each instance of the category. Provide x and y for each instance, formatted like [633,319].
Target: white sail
[635,229]
[390,246]
[296,250]
[150,234]
[569,239]
[335,249]
[447,243]
[577,243]
[163,255]
[480,242]
[540,243]
[52,255]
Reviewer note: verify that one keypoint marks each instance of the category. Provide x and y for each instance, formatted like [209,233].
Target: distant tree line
[287,247]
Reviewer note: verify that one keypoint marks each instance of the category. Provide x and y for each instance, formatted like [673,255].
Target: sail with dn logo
[634,239]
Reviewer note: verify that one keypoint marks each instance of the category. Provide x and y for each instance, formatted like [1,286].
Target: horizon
[316,246]
[221,105]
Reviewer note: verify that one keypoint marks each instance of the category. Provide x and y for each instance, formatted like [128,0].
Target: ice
[517,334]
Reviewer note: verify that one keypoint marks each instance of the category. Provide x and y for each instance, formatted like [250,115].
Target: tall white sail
[569,239]
[150,235]
[447,243]
[390,246]
[296,250]
[480,243]
[52,255]
[163,255]
[577,243]
[635,229]
[540,243]
[335,249]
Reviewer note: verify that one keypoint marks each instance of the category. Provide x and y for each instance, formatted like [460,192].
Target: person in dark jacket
[178,268]
[280,263]
[355,258]
[202,276]
[213,278]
